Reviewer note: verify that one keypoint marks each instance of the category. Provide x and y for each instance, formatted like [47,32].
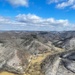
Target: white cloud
[73,7]
[64,3]
[4,20]
[32,21]
[52,1]
[18,2]
[7,21]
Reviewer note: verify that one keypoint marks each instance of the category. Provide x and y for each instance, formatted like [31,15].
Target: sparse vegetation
[31,53]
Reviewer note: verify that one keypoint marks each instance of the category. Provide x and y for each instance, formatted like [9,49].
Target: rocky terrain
[37,53]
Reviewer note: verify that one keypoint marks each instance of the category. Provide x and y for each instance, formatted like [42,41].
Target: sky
[37,15]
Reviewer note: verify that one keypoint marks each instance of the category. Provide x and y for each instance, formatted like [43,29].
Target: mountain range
[37,53]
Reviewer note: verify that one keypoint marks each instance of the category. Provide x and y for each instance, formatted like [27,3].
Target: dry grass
[6,73]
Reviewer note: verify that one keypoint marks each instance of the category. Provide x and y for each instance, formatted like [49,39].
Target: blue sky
[37,15]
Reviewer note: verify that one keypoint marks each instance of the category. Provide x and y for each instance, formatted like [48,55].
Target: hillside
[37,53]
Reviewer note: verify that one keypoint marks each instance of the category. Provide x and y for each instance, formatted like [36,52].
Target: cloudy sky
[37,15]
